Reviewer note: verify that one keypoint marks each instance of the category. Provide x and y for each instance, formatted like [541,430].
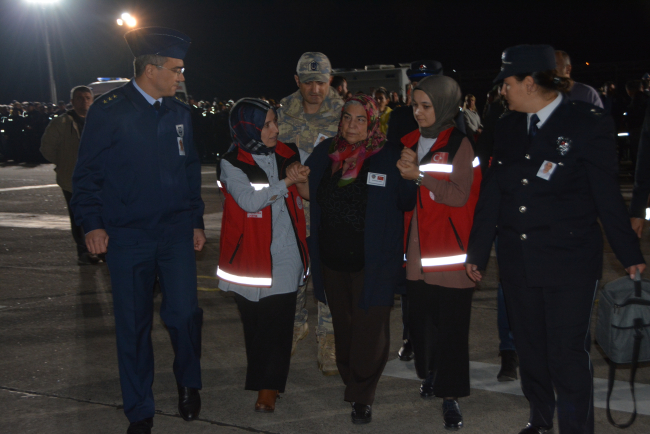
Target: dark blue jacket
[548,229]
[131,177]
[384,274]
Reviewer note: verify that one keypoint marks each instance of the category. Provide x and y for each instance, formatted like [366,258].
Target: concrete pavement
[58,367]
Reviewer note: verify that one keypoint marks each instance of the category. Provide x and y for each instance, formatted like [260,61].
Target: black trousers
[438,319]
[362,338]
[268,333]
[77,231]
[551,329]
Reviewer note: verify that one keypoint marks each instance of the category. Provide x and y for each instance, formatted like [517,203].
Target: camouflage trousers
[324,326]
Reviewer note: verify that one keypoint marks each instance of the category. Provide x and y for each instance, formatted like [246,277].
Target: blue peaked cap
[158,40]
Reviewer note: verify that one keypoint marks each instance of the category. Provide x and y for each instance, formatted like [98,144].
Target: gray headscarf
[445,96]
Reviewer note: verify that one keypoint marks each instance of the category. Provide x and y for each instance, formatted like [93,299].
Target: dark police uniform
[550,249]
[138,176]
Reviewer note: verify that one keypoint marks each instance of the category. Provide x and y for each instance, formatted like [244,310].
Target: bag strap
[638,336]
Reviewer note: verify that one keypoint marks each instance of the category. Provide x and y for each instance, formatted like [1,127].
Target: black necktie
[532,130]
[156,105]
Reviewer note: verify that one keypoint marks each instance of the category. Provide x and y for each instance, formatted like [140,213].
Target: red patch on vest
[440,158]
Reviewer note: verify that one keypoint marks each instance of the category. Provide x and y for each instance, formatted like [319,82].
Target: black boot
[406,352]
[509,364]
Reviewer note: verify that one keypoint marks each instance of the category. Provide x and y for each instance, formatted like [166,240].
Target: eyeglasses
[177,71]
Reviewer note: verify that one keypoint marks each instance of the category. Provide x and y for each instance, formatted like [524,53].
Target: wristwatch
[418,180]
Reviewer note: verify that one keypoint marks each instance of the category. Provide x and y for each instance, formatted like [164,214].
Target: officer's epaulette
[181,102]
[108,99]
[588,109]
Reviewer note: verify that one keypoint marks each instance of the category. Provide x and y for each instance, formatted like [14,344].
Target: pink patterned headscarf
[351,157]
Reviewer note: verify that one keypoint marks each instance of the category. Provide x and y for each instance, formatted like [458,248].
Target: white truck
[373,76]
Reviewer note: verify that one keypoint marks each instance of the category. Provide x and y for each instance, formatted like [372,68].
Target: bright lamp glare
[131,22]
[125,16]
[42,2]
[120,22]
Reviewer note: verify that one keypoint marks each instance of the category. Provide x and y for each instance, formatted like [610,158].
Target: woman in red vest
[263,247]
[442,162]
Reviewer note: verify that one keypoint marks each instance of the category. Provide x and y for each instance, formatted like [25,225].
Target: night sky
[250,48]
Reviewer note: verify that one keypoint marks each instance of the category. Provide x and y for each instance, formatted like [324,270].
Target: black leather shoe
[532,429]
[453,419]
[509,364]
[426,388]
[361,413]
[406,352]
[189,403]
[141,427]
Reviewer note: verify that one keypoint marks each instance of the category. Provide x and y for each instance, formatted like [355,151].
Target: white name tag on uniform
[319,139]
[546,170]
[254,215]
[181,146]
[378,179]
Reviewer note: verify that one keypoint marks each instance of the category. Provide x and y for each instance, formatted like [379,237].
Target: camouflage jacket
[294,128]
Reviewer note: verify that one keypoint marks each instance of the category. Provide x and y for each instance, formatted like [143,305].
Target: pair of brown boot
[266,400]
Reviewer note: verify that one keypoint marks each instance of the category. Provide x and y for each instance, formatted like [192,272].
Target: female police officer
[553,174]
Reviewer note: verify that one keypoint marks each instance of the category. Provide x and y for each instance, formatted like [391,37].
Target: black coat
[384,274]
[548,229]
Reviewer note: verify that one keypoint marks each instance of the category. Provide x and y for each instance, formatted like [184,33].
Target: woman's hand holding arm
[408,164]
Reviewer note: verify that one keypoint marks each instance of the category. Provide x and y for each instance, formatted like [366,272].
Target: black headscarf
[247,118]
[445,96]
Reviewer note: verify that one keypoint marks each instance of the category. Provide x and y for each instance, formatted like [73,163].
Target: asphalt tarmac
[58,364]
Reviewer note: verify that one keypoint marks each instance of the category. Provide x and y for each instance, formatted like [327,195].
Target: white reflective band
[446,260]
[647,213]
[623,134]
[218,183]
[258,187]
[434,167]
[253,281]
[404,257]
[475,162]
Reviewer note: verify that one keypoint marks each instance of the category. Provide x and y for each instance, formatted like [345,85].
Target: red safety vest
[245,245]
[443,230]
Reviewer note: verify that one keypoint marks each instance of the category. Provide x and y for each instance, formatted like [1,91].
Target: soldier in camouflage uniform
[306,118]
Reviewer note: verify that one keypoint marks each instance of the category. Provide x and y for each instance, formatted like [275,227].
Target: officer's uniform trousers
[544,198]
[134,264]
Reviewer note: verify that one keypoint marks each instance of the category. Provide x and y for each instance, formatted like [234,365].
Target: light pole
[43,4]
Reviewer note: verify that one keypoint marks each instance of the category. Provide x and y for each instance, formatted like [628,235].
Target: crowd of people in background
[23,123]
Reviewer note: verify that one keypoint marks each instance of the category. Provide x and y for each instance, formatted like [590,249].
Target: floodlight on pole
[127,19]
[43,4]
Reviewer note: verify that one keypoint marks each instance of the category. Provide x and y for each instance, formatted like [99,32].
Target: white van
[106,84]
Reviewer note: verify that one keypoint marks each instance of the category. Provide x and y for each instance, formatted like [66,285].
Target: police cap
[523,59]
[424,68]
[158,40]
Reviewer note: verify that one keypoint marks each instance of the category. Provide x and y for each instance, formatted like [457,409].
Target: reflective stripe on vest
[445,260]
[444,168]
[257,187]
[244,280]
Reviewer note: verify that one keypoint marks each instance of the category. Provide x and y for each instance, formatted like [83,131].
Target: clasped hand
[296,174]
[408,164]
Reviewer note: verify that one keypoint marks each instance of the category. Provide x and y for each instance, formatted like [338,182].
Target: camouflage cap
[314,66]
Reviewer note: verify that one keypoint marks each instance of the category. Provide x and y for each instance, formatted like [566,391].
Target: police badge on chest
[181,132]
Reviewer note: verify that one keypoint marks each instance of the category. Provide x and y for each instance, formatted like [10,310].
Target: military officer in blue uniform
[137,194]
[553,175]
